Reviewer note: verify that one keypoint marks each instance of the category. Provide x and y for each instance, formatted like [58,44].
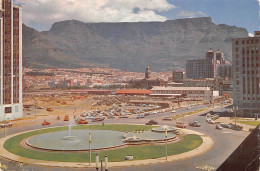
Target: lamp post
[4,128]
[90,149]
[97,161]
[106,163]
[166,155]
[235,109]
[35,108]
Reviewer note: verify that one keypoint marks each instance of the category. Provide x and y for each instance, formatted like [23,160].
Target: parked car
[123,116]
[151,122]
[97,119]
[174,111]
[49,109]
[66,118]
[89,117]
[167,118]
[195,124]
[218,126]
[5,124]
[82,121]
[45,123]
[139,116]
[110,117]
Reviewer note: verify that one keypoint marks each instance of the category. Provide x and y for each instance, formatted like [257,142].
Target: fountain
[69,137]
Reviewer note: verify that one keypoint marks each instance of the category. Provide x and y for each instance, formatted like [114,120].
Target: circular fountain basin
[147,136]
[162,129]
[78,140]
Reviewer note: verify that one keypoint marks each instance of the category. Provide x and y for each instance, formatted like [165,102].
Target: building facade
[190,92]
[200,68]
[11,61]
[225,71]
[177,76]
[246,73]
[205,68]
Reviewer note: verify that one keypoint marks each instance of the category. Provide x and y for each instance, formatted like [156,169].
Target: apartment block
[246,71]
[11,60]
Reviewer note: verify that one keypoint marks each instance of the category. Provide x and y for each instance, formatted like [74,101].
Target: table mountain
[130,46]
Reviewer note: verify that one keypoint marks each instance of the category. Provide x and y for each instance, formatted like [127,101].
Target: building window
[8,110]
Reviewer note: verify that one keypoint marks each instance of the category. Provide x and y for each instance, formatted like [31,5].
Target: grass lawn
[139,152]
[251,123]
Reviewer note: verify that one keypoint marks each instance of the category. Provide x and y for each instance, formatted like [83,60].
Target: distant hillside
[129,46]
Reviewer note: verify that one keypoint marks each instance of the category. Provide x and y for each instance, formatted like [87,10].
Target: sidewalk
[204,147]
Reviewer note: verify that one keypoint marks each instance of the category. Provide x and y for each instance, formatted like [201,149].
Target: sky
[41,14]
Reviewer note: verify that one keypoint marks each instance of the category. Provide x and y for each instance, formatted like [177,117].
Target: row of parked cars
[5,124]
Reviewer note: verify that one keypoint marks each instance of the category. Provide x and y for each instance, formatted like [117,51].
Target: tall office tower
[246,73]
[220,57]
[211,55]
[11,61]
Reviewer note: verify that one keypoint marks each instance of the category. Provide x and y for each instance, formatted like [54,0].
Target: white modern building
[246,74]
[190,92]
[11,106]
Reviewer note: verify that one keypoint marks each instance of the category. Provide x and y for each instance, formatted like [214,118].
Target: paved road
[225,142]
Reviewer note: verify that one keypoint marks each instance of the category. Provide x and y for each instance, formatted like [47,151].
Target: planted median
[188,143]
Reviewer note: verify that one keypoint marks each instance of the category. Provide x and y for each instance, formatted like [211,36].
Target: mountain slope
[130,46]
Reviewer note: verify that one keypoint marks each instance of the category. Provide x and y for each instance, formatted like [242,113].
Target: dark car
[195,124]
[151,122]
[225,125]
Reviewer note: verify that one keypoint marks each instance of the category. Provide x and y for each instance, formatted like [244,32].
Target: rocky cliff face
[130,46]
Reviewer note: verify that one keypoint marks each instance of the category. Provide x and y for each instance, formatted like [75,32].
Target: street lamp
[97,161]
[89,149]
[4,128]
[106,163]
[235,109]
[166,143]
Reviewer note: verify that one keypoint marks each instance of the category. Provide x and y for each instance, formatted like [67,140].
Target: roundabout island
[69,146]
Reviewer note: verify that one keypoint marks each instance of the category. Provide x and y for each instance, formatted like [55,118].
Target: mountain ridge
[129,46]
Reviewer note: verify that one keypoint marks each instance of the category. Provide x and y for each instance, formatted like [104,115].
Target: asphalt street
[225,142]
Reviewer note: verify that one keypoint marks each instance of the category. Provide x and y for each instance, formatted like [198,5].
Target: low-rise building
[190,92]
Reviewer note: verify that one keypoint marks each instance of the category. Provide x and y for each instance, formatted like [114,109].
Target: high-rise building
[205,68]
[225,71]
[246,73]
[200,68]
[11,60]
[177,76]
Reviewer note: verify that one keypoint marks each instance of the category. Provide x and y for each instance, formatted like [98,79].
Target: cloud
[259,2]
[190,14]
[250,34]
[50,11]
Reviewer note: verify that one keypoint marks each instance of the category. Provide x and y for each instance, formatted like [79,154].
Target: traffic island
[191,145]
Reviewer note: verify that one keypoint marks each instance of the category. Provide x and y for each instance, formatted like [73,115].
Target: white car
[210,121]
[174,111]
[5,124]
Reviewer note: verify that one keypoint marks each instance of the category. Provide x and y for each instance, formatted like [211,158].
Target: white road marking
[226,132]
